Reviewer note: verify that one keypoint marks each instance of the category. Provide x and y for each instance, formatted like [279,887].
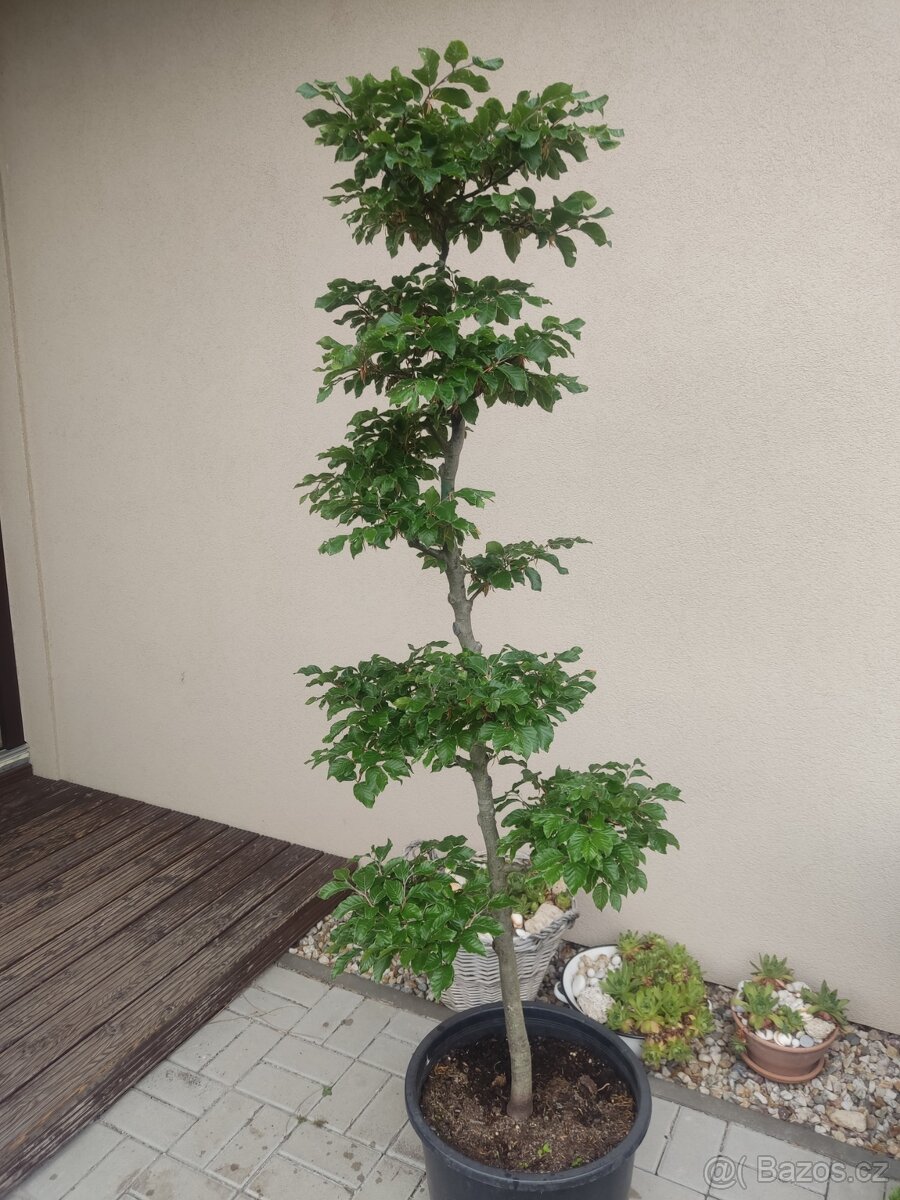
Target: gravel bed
[856,1099]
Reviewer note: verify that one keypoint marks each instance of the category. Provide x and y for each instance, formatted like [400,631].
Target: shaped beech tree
[437,348]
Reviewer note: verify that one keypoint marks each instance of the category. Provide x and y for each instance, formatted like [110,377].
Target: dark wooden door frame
[12,733]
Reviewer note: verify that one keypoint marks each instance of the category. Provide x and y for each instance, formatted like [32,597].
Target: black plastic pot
[453,1176]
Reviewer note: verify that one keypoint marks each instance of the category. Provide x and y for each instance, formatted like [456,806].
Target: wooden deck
[123,928]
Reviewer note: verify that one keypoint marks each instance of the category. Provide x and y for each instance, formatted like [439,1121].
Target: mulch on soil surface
[581,1107]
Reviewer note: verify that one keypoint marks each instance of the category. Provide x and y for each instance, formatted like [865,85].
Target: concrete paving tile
[754,1189]
[774,1160]
[308,1058]
[283,1179]
[167,1179]
[207,1042]
[251,1045]
[183,1088]
[114,1174]
[148,1119]
[284,1089]
[331,1153]
[390,1179]
[389,1053]
[214,1129]
[356,1031]
[410,1027]
[406,1145]
[292,986]
[69,1165]
[345,1101]
[694,1141]
[383,1117]
[651,1148]
[251,1145]
[860,1186]
[646,1186]
[327,1014]
[267,1008]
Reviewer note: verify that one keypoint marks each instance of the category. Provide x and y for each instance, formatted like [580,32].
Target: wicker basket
[476,977]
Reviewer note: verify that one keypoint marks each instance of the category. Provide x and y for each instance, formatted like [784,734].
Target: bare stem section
[520,1099]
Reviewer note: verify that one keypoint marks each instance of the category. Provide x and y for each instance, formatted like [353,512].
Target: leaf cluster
[436,338]
[825,1002]
[590,828]
[772,969]
[422,908]
[660,995]
[431,157]
[502,566]
[432,707]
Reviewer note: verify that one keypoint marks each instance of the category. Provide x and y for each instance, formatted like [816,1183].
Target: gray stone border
[666,1089]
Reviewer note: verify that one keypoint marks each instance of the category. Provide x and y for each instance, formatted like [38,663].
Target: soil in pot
[582,1109]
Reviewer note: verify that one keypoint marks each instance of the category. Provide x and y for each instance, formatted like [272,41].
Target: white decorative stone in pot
[545,916]
[818,1029]
[595,1004]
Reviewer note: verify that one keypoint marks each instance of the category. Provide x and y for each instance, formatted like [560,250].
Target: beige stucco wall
[735,461]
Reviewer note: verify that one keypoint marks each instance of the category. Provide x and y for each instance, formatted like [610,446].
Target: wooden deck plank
[212,868]
[71,841]
[35,1052]
[190,853]
[17,820]
[14,777]
[81,1084]
[58,904]
[124,929]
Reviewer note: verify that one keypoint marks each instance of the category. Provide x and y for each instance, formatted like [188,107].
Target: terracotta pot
[783,1064]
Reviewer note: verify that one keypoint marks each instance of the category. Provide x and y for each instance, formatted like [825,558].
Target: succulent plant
[826,1003]
[659,994]
[773,970]
[528,891]
[759,1004]
[766,1002]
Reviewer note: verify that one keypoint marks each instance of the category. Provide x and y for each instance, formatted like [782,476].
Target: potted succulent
[784,1029]
[649,991]
[436,161]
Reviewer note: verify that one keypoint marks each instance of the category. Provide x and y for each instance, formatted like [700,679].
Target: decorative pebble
[595,1004]
[865,1073]
[546,915]
[818,1029]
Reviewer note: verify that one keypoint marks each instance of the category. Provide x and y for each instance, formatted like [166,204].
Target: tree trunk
[520,1097]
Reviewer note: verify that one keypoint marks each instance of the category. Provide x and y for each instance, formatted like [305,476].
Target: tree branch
[430,551]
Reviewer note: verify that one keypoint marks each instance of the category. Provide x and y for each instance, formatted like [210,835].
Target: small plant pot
[453,1176]
[476,977]
[783,1064]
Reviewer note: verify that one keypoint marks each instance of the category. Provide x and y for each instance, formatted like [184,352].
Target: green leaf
[443,339]
[427,73]
[533,578]
[455,96]
[595,232]
[512,244]
[567,249]
[488,64]
[441,978]
[318,116]
[455,53]
[308,90]
[515,375]
[568,656]
[556,91]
